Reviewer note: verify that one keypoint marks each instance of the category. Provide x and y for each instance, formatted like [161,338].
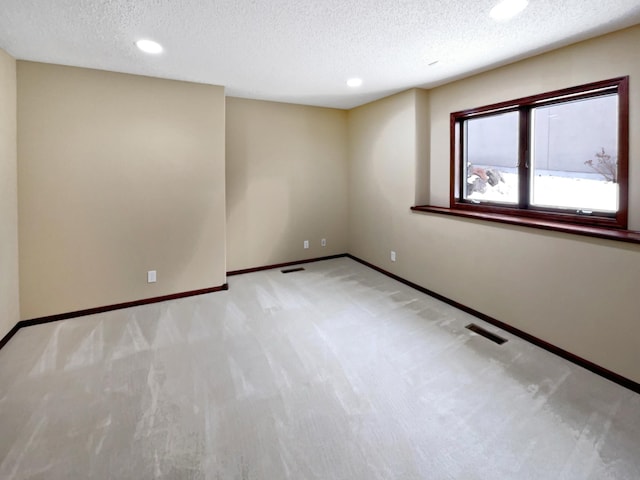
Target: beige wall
[118,174]
[382,171]
[577,293]
[423,147]
[286,182]
[9,300]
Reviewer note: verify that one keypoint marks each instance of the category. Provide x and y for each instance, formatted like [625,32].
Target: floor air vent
[291,270]
[485,333]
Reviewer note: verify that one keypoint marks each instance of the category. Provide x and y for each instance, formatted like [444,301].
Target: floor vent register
[486,333]
[291,270]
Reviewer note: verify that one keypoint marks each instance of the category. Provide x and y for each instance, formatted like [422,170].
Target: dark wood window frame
[524,106]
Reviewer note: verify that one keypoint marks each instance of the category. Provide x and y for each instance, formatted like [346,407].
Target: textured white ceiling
[300,51]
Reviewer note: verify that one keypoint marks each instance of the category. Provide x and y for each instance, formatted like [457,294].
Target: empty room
[320,240]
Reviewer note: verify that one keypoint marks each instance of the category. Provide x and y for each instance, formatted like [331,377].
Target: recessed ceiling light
[507,9]
[354,82]
[149,46]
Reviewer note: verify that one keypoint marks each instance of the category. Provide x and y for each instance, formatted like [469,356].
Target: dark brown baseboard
[286,264]
[10,334]
[597,369]
[107,308]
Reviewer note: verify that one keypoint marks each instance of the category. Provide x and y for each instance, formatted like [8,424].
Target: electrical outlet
[323,242]
[151,276]
[393,256]
[306,244]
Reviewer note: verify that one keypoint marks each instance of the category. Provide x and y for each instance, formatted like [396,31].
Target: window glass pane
[575,154]
[491,160]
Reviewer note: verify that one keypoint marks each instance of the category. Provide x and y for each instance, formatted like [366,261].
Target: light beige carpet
[335,372]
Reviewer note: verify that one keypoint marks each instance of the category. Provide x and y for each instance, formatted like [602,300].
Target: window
[559,156]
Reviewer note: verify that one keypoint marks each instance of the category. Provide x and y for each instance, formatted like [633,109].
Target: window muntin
[559,156]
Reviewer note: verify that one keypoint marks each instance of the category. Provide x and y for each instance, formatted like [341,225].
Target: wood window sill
[628,236]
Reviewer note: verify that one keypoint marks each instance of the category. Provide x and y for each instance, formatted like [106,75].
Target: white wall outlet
[393,256]
[323,242]
[306,244]
[151,276]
